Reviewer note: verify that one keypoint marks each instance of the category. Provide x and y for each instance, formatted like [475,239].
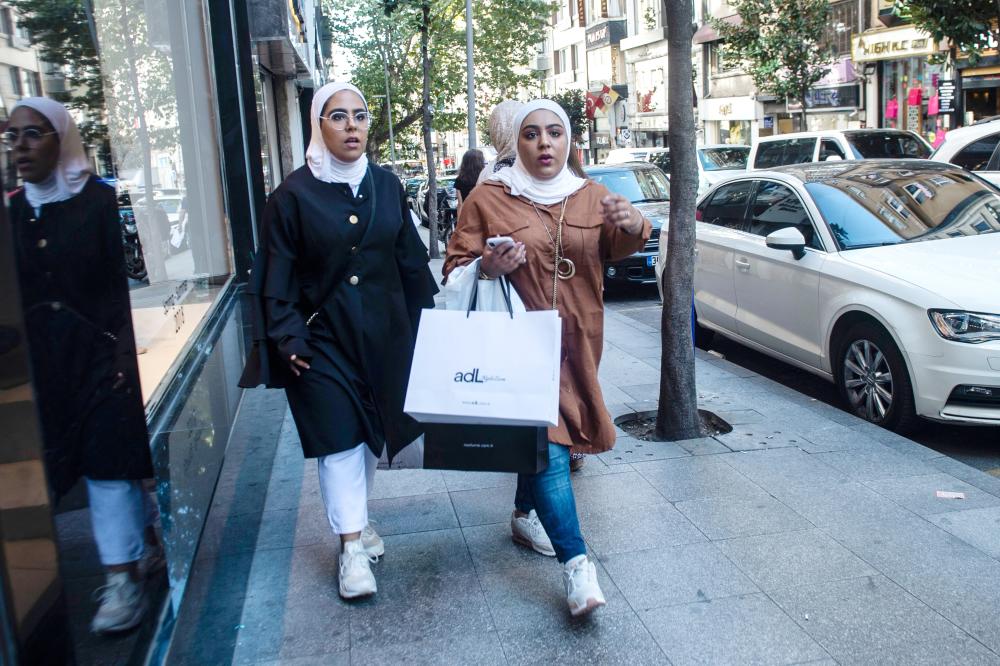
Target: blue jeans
[550,494]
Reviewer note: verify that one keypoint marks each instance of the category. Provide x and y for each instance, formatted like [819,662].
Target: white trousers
[120,511]
[346,480]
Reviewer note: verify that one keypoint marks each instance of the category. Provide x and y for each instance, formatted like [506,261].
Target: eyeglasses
[30,135]
[338,119]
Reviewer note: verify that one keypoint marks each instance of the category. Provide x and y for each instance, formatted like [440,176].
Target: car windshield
[871,206]
[875,145]
[724,158]
[637,185]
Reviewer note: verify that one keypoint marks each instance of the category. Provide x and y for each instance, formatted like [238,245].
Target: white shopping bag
[496,368]
[463,279]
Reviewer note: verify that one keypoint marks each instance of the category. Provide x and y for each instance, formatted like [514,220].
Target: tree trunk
[432,210]
[677,415]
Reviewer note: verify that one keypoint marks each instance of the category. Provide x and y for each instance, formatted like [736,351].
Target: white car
[976,148]
[880,275]
[803,147]
[715,162]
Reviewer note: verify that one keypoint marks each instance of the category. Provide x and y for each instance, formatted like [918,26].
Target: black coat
[78,319]
[319,238]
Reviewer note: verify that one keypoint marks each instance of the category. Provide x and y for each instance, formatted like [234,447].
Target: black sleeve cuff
[298,347]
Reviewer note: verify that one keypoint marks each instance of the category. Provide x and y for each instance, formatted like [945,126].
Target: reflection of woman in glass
[75,297]
[343,276]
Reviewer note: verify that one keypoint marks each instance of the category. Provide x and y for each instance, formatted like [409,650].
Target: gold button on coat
[354,280]
[42,243]
[353,219]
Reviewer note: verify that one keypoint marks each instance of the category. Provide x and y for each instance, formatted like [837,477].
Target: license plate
[651,260]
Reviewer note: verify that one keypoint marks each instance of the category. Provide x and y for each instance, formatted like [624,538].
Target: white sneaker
[528,531]
[122,604]
[372,541]
[583,592]
[356,577]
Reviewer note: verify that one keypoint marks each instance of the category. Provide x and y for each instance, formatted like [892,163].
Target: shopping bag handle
[504,289]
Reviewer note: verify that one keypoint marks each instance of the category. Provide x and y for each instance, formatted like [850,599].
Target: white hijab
[522,183]
[321,161]
[73,169]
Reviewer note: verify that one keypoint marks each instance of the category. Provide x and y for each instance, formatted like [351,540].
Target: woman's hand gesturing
[503,260]
[617,211]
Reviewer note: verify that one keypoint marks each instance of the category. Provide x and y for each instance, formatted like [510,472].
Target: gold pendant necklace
[564,268]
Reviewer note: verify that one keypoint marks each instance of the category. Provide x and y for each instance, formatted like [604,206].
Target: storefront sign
[602,139]
[730,108]
[946,96]
[823,99]
[605,34]
[581,13]
[906,42]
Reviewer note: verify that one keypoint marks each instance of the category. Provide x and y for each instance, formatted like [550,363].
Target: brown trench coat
[490,210]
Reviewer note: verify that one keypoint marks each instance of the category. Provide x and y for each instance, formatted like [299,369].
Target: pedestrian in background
[502,137]
[468,174]
[564,228]
[337,242]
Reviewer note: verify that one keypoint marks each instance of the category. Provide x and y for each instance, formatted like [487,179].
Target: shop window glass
[728,205]
[129,274]
[976,156]
[15,82]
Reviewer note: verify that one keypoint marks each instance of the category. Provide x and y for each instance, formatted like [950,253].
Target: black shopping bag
[486,448]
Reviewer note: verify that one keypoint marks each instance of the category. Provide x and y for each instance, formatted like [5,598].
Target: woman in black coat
[340,280]
[74,292]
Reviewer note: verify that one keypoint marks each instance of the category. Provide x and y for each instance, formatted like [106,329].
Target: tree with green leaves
[574,103]
[966,24]
[506,32]
[61,31]
[783,46]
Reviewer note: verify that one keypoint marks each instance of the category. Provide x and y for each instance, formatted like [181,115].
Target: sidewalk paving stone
[699,477]
[728,517]
[853,617]
[628,528]
[919,494]
[776,561]
[968,525]
[677,575]
[778,469]
[412,514]
[736,630]
[632,450]
[482,649]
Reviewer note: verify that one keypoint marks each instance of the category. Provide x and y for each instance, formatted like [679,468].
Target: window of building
[844,21]
[649,15]
[6,21]
[574,57]
[719,63]
[16,86]
[34,81]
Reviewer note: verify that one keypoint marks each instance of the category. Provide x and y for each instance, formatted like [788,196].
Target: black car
[649,190]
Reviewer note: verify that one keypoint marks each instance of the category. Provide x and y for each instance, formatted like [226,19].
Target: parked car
[976,148]
[173,205]
[878,275]
[447,204]
[803,147]
[649,190]
[412,187]
[715,163]
[623,155]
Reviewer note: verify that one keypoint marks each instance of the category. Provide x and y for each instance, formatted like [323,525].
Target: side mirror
[788,238]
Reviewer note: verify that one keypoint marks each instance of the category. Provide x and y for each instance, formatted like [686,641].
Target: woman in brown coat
[564,228]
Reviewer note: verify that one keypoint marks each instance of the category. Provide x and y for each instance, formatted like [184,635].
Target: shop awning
[707,33]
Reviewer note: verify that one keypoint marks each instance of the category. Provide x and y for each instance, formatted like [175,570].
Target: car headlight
[972,327]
